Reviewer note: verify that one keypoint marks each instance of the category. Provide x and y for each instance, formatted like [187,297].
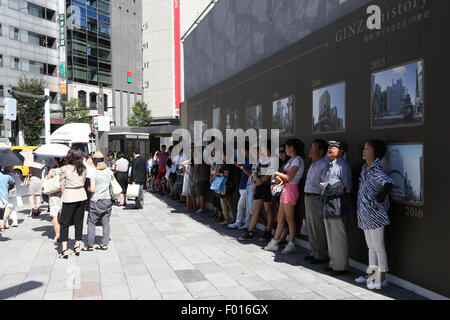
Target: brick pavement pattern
[164,253]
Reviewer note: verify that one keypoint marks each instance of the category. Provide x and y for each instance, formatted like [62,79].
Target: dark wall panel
[417,239]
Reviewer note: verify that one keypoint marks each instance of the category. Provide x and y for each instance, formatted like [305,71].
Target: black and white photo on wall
[216,118]
[404,164]
[283,116]
[329,108]
[397,95]
[232,120]
[253,117]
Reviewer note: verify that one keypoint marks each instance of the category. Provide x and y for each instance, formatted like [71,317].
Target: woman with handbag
[72,181]
[101,202]
[226,201]
[122,177]
[35,183]
[55,202]
[291,176]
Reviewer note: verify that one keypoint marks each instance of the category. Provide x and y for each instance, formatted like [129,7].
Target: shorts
[172,178]
[290,194]
[203,187]
[263,193]
[162,173]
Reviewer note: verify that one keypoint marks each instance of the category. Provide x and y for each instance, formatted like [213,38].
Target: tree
[141,115]
[30,111]
[76,112]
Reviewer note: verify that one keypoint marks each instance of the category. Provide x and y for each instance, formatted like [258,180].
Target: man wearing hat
[335,207]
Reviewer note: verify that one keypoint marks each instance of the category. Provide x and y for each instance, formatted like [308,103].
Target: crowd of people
[248,190]
[327,197]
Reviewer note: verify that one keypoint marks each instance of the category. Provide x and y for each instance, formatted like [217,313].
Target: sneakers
[199,210]
[248,236]
[245,226]
[360,280]
[273,245]
[266,236]
[376,285]
[233,225]
[224,222]
[290,248]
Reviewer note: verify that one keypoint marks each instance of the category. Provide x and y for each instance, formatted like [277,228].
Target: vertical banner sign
[177,42]
[95,122]
[62,47]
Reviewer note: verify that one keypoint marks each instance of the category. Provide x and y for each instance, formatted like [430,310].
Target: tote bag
[219,186]
[51,186]
[132,191]
[115,189]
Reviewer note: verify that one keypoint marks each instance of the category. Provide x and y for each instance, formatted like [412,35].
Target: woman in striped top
[372,209]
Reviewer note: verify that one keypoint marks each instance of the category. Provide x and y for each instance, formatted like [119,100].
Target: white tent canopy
[73,132]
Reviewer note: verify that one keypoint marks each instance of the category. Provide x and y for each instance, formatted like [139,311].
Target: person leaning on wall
[372,212]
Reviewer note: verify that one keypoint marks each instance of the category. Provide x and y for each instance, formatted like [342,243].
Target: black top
[138,170]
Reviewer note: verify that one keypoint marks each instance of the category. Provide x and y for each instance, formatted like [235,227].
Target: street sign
[95,122]
[10,110]
[103,124]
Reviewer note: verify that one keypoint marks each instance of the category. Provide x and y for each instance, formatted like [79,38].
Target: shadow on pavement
[24,287]
[296,259]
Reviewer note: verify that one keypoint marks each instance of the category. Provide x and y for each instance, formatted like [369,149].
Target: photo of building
[283,116]
[404,164]
[232,120]
[253,117]
[398,95]
[329,109]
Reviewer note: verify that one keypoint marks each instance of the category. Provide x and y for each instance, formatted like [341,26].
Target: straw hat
[99,158]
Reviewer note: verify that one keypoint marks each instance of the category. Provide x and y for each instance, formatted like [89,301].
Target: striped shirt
[371,213]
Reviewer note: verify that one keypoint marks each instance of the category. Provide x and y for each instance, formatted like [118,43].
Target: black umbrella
[9,158]
[46,160]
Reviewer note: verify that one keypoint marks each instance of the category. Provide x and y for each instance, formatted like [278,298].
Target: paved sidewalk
[164,253]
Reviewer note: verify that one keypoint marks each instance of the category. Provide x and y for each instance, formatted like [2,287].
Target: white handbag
[133,191]
[115,189]
[51,186]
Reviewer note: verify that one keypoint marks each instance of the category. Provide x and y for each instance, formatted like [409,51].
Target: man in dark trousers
[138,177]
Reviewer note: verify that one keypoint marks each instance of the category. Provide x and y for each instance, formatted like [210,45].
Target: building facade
[28,46]
[164,23]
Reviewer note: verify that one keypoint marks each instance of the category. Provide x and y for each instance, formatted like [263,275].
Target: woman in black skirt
[122,176]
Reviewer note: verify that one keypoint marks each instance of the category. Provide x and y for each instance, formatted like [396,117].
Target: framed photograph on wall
[216,118]
[329,109]
[397,96]
[232,120]
[404,164]
[283,116]
[253,117]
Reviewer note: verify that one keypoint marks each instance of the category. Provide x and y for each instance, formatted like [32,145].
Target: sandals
[87,249]
[101,247]
[77,253]
[63,256]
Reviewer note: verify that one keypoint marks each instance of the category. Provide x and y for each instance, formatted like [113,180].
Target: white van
[75,135]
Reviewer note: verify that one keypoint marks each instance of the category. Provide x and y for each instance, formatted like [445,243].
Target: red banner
[177,42]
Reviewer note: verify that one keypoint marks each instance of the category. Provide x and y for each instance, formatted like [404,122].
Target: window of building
[82,97]
[105,101]
[0,29]
[14,33]
[1,91]
[32,9]
[15,63]
[93,101]
[1,61]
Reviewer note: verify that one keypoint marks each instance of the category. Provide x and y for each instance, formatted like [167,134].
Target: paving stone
[143,288]
[236,293]
[221,280]
[208,267]
[88,289]
[202,289]
[170,286]
[182,295]
[116,292]
[254,283]
[270,295]
[187,276]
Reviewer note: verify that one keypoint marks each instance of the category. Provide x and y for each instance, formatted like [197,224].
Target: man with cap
[334,206]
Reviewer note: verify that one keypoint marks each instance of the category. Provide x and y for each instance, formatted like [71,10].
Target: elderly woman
[372,208]
[100,204]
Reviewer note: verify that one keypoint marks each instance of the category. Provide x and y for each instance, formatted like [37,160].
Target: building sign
[62,70]
[62,30]
[177,42]
[63,89]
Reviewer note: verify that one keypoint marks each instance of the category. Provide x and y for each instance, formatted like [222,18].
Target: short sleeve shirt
[5,181]
[297,162]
